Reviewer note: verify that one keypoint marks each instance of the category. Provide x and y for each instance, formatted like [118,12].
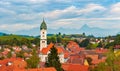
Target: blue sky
[18,15]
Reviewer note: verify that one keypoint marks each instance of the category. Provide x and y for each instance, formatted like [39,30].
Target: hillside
[7,37]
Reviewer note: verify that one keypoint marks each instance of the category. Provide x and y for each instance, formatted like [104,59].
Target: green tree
[59,39]
[20,54]
[36,41]
[89,46]
[51,39]
[83,34]
[33,61]
[99,44]
[27,42]
[100,67]
[15,42]
[53,59]
[9,55]
[84,43]
[111,63]
[117,40]
[89,60]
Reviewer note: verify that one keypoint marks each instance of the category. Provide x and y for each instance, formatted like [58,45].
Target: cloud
[115,8]
[93,7]
[4,3]
[58,13]
[6,11]
[99,19]
[30,1]
[78,22]
[17,27]
[73,11]
[38,1]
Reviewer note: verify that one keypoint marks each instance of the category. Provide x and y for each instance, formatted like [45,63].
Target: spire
[43,25]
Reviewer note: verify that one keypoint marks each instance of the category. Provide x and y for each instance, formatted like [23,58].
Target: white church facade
[44,48]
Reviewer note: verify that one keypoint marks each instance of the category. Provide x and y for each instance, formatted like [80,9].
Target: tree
[99,44]
[89,60]
[84,43]
[117,40]
[53,59]
[36,41]
[51,39]
[83,34]
[20,54]
[112,63]
[59,33]
[33,61]
[9,55]
[89,46]
[25,41]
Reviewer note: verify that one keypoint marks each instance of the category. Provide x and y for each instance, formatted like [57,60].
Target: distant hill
[2,34]
[96,31]
[7,37]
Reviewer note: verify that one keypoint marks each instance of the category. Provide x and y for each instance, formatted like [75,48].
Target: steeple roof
[43,25]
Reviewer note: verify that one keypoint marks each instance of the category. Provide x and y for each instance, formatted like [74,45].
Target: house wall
[61,57]
[44,57]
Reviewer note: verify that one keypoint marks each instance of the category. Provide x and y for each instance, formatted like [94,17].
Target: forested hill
[19,37]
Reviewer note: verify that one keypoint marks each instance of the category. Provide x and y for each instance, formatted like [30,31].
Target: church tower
[43,35]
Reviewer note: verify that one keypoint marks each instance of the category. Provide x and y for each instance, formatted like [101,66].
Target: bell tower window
[43,41]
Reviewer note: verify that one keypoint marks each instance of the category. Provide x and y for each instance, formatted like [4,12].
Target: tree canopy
[33,61]
[53,59]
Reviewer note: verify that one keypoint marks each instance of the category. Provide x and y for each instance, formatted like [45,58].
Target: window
[46,59]
[43,41]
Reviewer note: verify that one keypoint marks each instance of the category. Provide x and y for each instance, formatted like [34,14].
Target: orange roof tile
[17,63]
[74,67]
[45,50]
[43,69]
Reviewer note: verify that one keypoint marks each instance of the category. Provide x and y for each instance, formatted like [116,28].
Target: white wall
[43,38]
[43,58]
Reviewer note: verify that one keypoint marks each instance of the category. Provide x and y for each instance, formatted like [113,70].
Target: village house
[18,64]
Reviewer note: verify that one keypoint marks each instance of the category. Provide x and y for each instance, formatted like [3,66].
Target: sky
[18,15]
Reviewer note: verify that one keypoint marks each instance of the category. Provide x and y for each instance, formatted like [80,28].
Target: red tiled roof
[45,50]
[74,67]
[98,61]
[16,63]
[42,69]
[66,55]
[19,64]
[76,60]
[74,47]
[117,47]
[101,50]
